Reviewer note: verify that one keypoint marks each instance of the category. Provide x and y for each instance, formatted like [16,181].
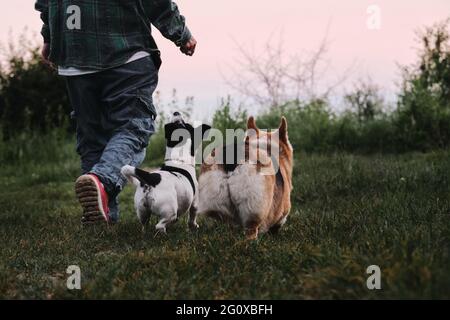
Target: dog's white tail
[129,172]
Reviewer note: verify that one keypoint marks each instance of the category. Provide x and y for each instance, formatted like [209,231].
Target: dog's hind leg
[144,217]
[145,226]
[276,227]
[165,222]
[192,222]
[249,195]
[168,215]
[252,226]
[214,196]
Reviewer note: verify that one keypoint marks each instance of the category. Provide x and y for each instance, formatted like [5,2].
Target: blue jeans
[115,116]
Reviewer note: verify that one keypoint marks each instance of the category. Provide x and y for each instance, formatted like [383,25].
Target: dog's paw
[160,231]
[251,234]
[194,226]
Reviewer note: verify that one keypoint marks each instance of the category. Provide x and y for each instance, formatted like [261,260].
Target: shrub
[224,118]
[423,119]
[32,97]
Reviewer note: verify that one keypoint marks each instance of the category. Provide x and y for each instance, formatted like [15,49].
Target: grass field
[348,212]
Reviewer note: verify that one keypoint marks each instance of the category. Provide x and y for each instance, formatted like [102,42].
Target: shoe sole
[88,194]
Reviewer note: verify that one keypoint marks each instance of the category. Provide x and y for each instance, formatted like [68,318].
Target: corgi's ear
[251,124]
[283,130]
[252,129]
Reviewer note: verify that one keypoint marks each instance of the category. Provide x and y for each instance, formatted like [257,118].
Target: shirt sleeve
[166,17]
[42,7]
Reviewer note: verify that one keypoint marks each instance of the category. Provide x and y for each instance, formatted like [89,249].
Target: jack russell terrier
[172,190]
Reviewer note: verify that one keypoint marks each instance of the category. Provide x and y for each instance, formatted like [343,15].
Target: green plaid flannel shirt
[109,32]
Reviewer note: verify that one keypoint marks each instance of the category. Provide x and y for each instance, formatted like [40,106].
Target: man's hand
[189,48]
[45,53]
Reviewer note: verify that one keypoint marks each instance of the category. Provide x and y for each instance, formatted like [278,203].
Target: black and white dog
[172,190]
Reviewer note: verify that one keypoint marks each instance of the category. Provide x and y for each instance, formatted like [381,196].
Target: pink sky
[217,24]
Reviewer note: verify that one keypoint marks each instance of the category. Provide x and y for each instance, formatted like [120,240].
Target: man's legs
[91,140]
[129,117]
[114,201]
[123,127]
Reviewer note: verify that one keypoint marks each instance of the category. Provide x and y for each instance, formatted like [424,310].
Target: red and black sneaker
[93,198]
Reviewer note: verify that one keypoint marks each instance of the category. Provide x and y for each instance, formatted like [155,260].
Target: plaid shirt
[108,32]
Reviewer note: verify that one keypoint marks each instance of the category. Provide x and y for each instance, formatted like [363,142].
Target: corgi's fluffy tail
[129,172]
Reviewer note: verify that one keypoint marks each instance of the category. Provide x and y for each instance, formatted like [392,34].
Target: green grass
[348,212]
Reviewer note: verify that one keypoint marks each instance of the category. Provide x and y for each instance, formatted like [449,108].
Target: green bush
[26,147]
[32,97]
[314,128]
[420,122]
[33,101]
[224,118]
[423,119]
[157,146]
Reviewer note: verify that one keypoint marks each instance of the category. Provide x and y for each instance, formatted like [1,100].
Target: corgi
[255,190]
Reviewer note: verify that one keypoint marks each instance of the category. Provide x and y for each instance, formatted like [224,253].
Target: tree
[365,100]
[272,78]
[224,118]
[32,97]
[424,101]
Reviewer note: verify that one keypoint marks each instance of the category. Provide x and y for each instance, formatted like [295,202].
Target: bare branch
[272,79]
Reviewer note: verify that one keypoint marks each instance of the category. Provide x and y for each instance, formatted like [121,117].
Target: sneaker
[93,198]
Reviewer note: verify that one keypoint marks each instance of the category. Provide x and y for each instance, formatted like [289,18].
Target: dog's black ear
[174,140]
[205,129]
[169,129]
[189,128]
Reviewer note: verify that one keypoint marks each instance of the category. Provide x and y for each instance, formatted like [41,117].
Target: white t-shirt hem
[71,71]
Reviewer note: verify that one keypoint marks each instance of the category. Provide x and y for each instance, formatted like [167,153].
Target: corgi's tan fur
[254,194]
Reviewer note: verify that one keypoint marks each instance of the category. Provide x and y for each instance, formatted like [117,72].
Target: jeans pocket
[145,103]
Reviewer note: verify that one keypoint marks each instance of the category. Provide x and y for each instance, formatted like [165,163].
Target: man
[105,50]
